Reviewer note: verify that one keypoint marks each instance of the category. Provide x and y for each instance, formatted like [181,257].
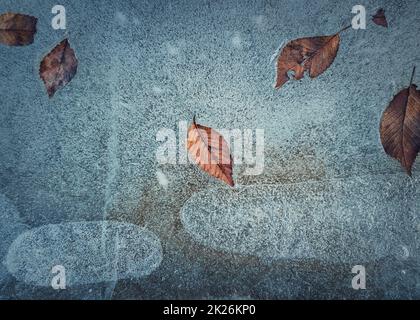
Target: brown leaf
[211,152]
[17,29]
[314,54]
[58,67]
[400,127]
[380,19]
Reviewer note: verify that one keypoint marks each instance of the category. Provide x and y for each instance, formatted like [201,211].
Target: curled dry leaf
[400,127]
[211,152]
[17,29]
[58,67]
[314,54]
[380,19]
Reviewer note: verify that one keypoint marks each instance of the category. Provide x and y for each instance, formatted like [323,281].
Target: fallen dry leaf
[210,151]
[380,19]
[400,127]
[58,67]
[17,29]
[313,54]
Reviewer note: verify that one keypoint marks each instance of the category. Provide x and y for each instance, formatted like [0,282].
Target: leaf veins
[210,151]
[59,67]
[400,127]
[313,55]
[17,29]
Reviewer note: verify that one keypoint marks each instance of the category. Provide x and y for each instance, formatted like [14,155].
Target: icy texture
[88,154]
[80,292]
[91,252]
[10,227]
[352,220]
[144,65]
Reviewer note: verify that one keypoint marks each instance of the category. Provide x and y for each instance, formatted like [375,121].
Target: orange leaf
[400,127]
[17,29]
[211,152]
[58,67]
[314,54]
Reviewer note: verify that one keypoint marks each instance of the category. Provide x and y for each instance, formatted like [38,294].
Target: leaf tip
[380,19]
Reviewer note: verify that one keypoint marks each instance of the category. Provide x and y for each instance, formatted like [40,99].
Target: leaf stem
[344,29]
[412,75]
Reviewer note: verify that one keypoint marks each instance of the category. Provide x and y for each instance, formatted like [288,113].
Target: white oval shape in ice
[339,220]
[11,226]
[90,252]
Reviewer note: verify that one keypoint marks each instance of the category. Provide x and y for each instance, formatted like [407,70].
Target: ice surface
[350,220]
[88,154]
[10,227]
[90,252]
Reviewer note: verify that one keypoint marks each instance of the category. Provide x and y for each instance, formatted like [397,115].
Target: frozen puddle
[90,252]
[340,220]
